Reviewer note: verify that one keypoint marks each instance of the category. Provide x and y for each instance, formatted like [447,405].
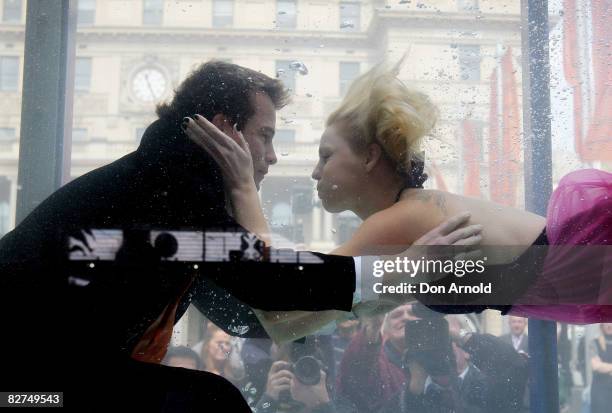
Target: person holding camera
[505,370]
[494,379]
[299,387]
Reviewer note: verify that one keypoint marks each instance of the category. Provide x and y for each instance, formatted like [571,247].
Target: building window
[469,62]
[139,133]
[286,14]
[286,74]
[79,134]
[82,74]
[11,11]
[152,12]
[223,13]
[9,73]
[348,72]
[467,5]
[350,16]
[86,12]
[7,134]
[281,215]
[284,141]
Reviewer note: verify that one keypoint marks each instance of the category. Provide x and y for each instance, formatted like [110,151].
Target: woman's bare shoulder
[399,225]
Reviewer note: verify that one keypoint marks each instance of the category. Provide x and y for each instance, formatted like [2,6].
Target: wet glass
[12,22]
[466,55]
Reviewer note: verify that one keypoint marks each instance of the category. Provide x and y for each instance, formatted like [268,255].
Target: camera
[306,366]
[428,343]
[307,369]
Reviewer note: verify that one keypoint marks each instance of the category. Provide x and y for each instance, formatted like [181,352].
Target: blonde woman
[371,163]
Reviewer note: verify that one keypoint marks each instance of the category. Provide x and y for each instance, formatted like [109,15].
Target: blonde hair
[379,108]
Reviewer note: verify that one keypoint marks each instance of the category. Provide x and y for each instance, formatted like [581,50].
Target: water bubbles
[334,187]
[240,330]
[284,153]
[404,2]
[333,230]
[299,67]
[265,405]
[280,72]
[347,25]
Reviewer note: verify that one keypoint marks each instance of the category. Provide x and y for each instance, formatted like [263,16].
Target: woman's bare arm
[286,326]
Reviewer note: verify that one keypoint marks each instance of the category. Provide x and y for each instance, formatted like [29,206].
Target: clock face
[149,85]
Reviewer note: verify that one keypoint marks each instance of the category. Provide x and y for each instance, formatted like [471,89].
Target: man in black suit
[77,330]
[517,335]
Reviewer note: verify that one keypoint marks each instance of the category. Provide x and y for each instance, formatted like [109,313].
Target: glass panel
[286,73]
[82,74]
[467,5]
[11,11]
[86,12]
[350,16]
[152,12]
[124,71]
[11,56]
[9,73]
[286,14]
[348,72]
[223,13]
[469,62]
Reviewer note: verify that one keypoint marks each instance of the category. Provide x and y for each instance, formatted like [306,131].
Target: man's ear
[373,155]
[223,123]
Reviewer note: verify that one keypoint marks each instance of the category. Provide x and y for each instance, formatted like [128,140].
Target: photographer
[494,378]
[506,371]
[370,373]
[299,386]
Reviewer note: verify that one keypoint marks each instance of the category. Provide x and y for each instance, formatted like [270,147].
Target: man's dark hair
[185,352]
[220,87]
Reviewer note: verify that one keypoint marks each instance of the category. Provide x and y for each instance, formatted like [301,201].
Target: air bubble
[299,67]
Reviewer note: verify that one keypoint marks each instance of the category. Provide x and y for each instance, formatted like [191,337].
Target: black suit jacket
[473,390]
[168,182]
[523,345]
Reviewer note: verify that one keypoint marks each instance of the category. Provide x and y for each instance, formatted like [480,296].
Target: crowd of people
[375,364]
[370,365]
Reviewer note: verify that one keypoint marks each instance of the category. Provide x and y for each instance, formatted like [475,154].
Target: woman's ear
[373,155]
[223,123]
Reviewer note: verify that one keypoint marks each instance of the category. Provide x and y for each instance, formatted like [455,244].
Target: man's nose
[271,156]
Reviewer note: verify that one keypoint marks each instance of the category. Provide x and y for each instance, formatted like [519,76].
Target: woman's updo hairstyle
[379,108]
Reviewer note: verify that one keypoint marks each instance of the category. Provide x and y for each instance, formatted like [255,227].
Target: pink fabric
[579,214]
